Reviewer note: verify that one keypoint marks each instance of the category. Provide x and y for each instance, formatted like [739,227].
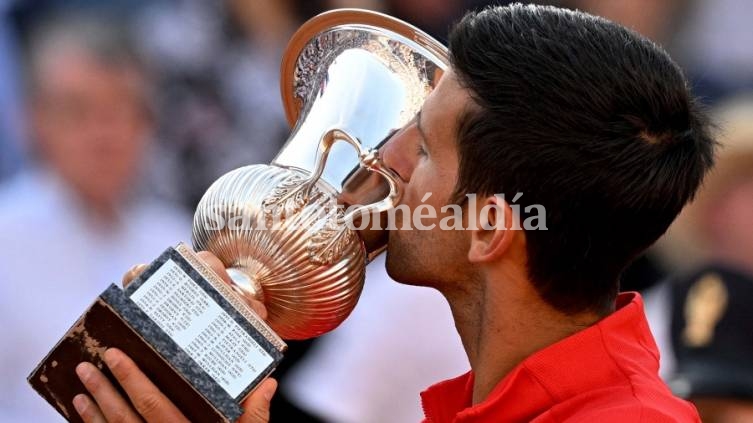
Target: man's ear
[493,233]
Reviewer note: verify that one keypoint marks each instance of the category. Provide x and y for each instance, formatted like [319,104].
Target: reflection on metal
[347,75]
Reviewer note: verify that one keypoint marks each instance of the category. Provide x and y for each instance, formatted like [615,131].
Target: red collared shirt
[605,373]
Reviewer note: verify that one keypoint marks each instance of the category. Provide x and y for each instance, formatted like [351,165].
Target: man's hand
[147,402]
[215,264]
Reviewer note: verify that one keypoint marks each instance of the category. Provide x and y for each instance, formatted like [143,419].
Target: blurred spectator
[701,319]
[710,332]
[11,123]
[716,47]
[76,220]
[657,20]
[717,225]
[435,17]
[219,101]
[710,39]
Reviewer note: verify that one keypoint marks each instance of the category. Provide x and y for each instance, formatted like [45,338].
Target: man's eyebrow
[418,125]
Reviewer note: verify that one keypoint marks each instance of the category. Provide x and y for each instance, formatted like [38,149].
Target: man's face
[90,124]
[424,154]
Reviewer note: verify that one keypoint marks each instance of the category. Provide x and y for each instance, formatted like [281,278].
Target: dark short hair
[587,118]
[98,36]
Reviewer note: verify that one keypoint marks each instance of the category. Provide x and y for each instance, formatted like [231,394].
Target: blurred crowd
[115,116]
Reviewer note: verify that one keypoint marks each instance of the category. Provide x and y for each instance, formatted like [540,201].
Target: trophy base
[183,328]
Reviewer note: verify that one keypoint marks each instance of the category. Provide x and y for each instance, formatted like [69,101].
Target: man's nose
[395,155]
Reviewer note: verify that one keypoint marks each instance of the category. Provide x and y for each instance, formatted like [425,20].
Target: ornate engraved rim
[329,20]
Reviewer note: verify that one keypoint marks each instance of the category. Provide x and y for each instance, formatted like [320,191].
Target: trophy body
[283,246]
[284,231]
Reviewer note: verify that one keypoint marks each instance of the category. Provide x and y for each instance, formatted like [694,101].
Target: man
[582,117]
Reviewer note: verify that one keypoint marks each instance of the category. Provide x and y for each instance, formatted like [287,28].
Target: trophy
[286,232]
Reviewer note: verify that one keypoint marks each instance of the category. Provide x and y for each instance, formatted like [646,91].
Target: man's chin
[398,269]
[392,268]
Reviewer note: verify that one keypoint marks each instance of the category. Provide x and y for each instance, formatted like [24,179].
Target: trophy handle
[368,159]
[331,240]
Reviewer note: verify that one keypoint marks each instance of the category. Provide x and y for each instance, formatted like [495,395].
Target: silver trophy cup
[349,79]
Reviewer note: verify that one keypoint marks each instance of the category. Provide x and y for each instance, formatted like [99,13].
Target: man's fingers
[110,405]
[133,273]
[148,400]
[87,409]
[216,264]
[256,406]
[258,307]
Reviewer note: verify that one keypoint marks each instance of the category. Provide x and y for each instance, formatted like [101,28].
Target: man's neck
[504,322]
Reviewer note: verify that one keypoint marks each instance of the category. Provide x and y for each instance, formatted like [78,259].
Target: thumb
[133,273]
[256,406]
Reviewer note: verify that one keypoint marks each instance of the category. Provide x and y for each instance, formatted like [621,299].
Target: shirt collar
[616,346]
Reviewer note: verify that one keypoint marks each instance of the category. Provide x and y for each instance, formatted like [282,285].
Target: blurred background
[115,116]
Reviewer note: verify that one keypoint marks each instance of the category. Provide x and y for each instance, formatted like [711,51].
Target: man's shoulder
[628,404]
